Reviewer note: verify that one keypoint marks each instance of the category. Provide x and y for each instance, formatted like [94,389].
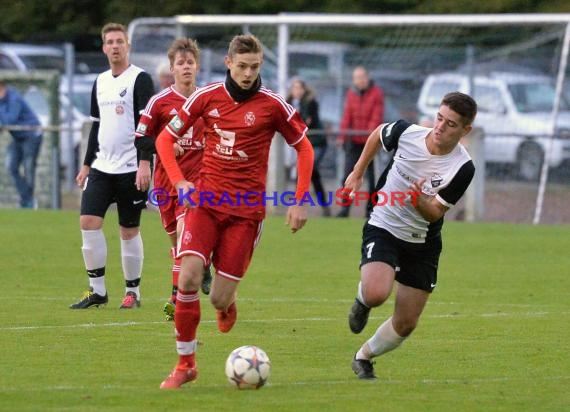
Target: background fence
[33,86]
[513,64]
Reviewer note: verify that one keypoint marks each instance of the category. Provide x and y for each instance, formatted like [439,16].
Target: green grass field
[494,336]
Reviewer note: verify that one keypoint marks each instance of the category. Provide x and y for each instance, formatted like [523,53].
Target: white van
[514,111]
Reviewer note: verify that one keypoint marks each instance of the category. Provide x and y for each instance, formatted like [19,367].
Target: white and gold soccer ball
[248,367]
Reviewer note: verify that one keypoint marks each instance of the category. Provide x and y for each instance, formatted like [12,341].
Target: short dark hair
[183,45]
[462,104]
[244,43]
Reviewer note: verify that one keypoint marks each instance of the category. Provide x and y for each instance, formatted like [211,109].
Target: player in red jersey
[184,57]
[241,118]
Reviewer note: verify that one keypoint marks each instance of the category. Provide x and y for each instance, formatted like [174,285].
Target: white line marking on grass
[497,315]
[81,325]
[272,320]
[354,380]
[390,301]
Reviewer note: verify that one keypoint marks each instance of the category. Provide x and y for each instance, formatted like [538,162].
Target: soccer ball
[248,367]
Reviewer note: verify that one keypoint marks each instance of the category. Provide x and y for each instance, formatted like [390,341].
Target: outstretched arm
[373,144]
[163,144]
[297,214]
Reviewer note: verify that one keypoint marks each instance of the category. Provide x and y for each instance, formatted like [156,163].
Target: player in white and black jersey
[108,174]
[401,241]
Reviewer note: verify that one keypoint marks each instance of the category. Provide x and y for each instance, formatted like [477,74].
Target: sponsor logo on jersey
[227,141]
[404,174]
[123,92]
[249,119]
[104,103]
[187,141]
[119,109]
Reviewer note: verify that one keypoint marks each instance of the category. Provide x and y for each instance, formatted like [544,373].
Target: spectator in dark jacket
[303,98]
[26,142]
[363,112]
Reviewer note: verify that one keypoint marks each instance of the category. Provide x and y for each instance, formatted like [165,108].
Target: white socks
[359,294]
[132,257]
[94,251]
[384,340]
[186,348]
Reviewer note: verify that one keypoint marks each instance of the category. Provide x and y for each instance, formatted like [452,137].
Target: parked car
[82,87]
[313,60]
[24,57]
[514,112]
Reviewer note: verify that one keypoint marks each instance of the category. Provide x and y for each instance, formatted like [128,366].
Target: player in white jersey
[108,173]
[402,239]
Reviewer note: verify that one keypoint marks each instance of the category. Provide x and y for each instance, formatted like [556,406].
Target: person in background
[25,146]
[108,174]
[363,111]
[303,98]
[184,57]
[165,76]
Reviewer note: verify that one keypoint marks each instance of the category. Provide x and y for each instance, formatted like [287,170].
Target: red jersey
[363,110]
[162,107]
[238,137]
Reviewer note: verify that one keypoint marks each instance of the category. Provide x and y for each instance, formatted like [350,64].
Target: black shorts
[101,189]
[415,263]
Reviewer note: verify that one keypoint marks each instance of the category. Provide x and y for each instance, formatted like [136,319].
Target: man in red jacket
[363,111]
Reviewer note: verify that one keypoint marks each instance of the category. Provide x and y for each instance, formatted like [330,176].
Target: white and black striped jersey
[116,103]
[447,178]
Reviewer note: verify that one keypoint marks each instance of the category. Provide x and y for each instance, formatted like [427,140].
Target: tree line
[79,21]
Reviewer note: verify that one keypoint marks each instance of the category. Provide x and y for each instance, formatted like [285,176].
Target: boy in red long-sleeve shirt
[241,118]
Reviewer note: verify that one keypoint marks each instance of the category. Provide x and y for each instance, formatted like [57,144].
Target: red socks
[175,274]
[186,320]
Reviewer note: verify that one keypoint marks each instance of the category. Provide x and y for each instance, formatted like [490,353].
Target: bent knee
[216,302]
[219,302]
[404,327]
[375,296]
[190,276]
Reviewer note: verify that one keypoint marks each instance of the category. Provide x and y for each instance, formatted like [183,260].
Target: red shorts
[170,212]
[225,240]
